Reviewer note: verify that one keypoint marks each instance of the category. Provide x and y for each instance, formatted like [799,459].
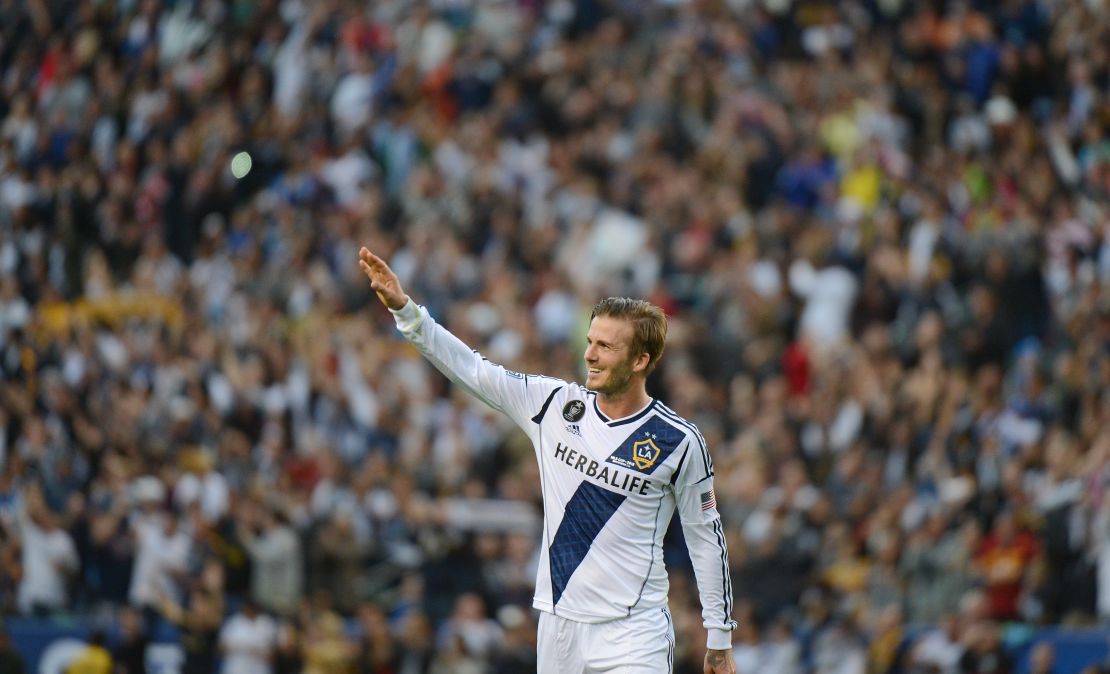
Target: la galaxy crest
[574,410]
[648,447]
[645,453]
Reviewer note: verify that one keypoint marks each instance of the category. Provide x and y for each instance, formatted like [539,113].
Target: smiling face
[610,362]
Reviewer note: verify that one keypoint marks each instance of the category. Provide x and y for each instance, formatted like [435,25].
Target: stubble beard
[619,381]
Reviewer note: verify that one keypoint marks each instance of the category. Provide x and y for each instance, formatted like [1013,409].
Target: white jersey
[610,488]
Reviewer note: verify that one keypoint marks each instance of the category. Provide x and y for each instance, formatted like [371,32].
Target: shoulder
[694,444]
[541,380]
[539,387]
[540,392]
[576,390]
[685,426]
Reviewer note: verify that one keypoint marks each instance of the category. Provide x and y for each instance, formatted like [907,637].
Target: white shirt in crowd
[829,294]
[210,489]
[939,649]
[48,556]
[247,644]
[159,553]
[276,574]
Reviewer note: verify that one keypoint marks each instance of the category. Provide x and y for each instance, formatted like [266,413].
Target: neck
[618,405]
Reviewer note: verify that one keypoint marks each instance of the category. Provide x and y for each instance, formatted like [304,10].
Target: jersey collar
[623,420]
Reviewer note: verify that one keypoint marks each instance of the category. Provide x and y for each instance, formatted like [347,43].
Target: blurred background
[880,229]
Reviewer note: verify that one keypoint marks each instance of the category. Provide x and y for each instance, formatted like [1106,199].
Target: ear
[640,364]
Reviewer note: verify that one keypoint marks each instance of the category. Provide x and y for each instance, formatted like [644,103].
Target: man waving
[614,466]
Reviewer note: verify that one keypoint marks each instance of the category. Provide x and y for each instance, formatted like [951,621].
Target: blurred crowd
[880,229]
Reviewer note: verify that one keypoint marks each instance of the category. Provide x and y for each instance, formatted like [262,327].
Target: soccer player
[614,465]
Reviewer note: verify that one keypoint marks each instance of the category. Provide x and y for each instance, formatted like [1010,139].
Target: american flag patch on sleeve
[708,500]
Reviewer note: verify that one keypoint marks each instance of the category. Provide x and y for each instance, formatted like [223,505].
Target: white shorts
[642,643]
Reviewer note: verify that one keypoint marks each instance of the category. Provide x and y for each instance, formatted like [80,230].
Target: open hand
[382,279]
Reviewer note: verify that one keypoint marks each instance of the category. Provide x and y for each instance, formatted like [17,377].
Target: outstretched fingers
[382,279]
[371,260]
[372,264]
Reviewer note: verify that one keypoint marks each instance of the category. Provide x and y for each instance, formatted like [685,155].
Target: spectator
[454,658]
[879,230]
[783,653]
[161,554]
[200,629]
[339,561]
[378,650]
[327,650]
[518,650]
[247,641]
[49,558]
[93,659]
[1004,556]
[289,651]
[984,653]
[470,630]
[940,649]
[109,547]
[416,644]
[201,484]
[276,573]
[129,654]
[840,648]
[748,648]
[1042,659]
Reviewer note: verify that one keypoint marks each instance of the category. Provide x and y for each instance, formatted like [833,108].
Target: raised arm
[518,396]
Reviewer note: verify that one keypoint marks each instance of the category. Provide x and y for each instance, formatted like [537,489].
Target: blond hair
[649,324]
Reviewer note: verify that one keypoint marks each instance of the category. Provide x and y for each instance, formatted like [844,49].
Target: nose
[591,353]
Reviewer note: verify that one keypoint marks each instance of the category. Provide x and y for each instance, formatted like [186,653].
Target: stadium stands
[880,228]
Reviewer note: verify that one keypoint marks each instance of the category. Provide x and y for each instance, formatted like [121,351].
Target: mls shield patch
[574,410]
[648,446]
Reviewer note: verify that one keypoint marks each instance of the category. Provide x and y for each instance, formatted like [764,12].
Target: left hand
[719,662]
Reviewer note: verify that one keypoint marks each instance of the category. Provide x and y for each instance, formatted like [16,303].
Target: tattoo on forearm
[715,657]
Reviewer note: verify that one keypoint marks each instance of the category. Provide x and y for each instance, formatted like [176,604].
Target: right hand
[382,280]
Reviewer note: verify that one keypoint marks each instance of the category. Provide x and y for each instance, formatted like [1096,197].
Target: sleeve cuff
[407,317]
[718,640]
